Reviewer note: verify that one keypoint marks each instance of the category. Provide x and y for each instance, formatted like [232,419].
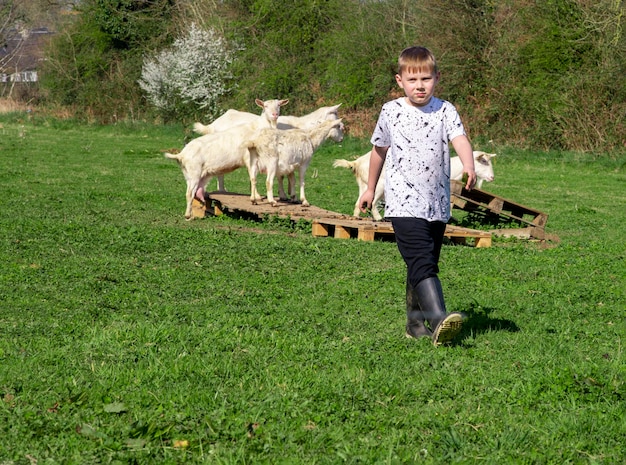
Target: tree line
[541,74]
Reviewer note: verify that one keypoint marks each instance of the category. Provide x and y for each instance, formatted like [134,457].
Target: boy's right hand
[365,202]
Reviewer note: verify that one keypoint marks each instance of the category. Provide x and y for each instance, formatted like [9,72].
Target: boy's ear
[399,80]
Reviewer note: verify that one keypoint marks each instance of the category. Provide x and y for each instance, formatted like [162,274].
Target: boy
[412,135]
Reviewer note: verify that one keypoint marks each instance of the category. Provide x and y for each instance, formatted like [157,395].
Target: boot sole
[448,329]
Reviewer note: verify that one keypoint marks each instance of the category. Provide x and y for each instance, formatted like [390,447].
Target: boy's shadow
[477,321]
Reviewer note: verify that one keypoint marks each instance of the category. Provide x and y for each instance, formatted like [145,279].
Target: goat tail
[173,156]
[202,129]
[343,164]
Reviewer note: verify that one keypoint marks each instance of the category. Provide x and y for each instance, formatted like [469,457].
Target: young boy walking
[412,135]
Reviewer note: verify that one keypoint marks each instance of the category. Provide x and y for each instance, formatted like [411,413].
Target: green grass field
[131,336]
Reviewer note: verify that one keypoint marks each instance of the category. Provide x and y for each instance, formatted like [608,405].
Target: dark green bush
[94,65]
[130,23]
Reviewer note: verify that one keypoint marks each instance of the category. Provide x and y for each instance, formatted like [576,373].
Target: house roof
[23,50]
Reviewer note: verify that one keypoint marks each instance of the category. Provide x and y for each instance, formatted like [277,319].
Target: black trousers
[419,242]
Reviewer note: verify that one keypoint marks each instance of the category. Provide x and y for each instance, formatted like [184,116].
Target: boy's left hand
[471,180]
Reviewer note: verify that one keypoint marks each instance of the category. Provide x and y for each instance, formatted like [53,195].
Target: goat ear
[259,102]
[284,102]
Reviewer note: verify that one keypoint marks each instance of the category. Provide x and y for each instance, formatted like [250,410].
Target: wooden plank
[342,232]
[520,233]
[541,220]
[218,208]
[198,209]
[496,205]
[366,234]
[231,202]
[320,230]
[459,203]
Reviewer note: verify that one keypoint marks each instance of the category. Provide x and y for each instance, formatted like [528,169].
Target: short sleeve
[453,123]
[381,137]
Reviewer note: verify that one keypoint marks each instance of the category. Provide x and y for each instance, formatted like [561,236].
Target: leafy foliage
[130,23]
[189,76]
[280,56]
[534,74]
[94,64]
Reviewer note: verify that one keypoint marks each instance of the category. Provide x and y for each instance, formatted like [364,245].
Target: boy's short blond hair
[417,59]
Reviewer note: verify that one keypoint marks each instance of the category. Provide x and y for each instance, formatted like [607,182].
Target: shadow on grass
[478,320]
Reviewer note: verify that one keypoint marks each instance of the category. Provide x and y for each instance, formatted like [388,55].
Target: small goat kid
[281,152]
[360,167]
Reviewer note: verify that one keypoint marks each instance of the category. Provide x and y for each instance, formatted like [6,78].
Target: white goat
[208,156]
[360,167]
[235,117]
[308,121]
[281,152]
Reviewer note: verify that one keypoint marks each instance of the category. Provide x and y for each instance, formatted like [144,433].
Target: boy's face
[418,86]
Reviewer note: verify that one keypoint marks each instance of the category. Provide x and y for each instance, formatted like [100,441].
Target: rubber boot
[414,317]
[445,326]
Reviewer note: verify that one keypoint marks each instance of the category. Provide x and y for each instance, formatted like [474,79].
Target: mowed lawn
[130,335]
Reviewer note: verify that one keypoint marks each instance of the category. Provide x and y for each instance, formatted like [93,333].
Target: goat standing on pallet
[412,134]
[283,151]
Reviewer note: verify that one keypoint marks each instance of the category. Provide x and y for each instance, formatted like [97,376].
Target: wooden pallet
[368,230]
[326,223]
[479,200]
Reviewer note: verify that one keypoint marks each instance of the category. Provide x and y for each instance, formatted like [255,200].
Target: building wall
[23,52]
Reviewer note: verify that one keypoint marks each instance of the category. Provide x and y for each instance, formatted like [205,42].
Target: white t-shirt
[417,168]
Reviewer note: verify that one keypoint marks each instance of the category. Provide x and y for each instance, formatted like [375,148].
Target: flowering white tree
[189,76]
